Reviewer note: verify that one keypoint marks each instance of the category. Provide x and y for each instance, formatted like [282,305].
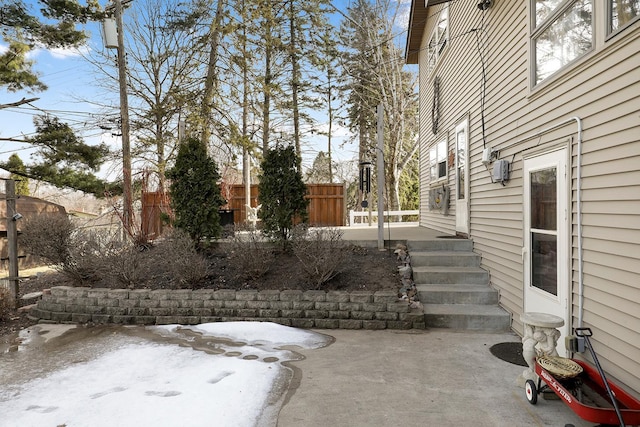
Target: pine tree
[22,182]
[195,193]
[281,194]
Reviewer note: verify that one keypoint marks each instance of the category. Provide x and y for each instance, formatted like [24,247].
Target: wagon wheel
[531,391]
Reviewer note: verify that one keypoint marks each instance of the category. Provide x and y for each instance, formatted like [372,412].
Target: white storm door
[462,177]
[546,242]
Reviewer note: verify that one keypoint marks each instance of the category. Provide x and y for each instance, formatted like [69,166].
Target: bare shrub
[116,260]
[321,253]
[55,239]
[6,303]
[177,256]
[250,253]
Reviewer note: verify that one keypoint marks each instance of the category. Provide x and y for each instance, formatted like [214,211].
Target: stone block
[385,296]
[50,306]
[291,295]
[224,295]
[77,292]
[202,294]
[235,304]
[261,305]
[374,306]
[292,313]
[316,314]
[144,320]
[202,312]
[327,323]
[188,320]
[98,293]
[149,303]
[86,301]
[339,314]
[60,291]
[224,312]
[40,314]
[361,296]
[374,324]
[350,306]
[137,311]
[362,315]
[350,324]
[412,317]
[123,320]
[140,294]
[268,313]
[159,294]
[129,303]
[213,304]
[160,311]
[399,324]
[167,320]
[80,317]
[170,303]
[281,305]
[386,315]
[107,302]
[210,319]
[247,312]
[303,305]
[186,311]
[419,325]
[116,311]
[338,296]
[100,318]
[192,303]
[180,294]
[315,296]
[247,295]
[269,295]
[302,323]
[399,307]
[118,293]
[326,306]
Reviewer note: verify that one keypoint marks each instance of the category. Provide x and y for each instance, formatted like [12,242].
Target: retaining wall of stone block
[301,309]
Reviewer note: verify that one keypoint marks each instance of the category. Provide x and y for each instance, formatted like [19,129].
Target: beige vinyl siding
[603,90]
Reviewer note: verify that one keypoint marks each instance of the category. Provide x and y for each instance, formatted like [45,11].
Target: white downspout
[579,214]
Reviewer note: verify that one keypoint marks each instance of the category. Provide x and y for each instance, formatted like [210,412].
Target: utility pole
[127,200]
[12,239]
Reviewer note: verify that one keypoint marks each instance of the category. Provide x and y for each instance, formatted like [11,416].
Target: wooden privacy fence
[327,206]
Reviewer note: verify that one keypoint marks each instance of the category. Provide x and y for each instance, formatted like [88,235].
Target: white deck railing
[364,217]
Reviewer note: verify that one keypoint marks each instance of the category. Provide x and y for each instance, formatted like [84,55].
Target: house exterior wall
[602,89]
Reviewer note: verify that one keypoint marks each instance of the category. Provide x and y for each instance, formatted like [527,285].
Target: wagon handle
[583,332]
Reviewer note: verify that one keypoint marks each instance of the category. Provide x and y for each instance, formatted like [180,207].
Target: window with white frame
[438,39]
[621,13]
[438,160]
[562,32]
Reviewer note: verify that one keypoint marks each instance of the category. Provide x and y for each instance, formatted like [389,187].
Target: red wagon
[588,394]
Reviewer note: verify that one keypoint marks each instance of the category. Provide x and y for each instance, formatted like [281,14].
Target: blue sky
[71,79]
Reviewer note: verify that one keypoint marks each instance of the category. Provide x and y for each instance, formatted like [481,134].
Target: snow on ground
[223,378]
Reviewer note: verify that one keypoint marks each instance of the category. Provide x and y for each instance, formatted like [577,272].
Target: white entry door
[546,239]
[462,178]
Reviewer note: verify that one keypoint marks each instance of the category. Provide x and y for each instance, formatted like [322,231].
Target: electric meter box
[501,171]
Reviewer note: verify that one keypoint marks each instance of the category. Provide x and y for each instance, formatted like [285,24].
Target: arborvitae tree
[281,194]
[22,183]
[195,193]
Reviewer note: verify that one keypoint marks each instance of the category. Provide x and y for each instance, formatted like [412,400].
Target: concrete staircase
[453,288]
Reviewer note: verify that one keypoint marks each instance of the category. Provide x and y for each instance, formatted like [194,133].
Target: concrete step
[457,294]
[440,245]
[471,317]
[449,275]
[445,259]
